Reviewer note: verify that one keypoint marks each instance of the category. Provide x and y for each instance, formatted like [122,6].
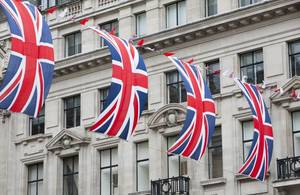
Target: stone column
[125,22]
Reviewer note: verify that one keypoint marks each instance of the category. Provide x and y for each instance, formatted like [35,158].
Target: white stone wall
[17,149]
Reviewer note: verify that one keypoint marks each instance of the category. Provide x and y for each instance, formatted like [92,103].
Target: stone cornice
[190,32]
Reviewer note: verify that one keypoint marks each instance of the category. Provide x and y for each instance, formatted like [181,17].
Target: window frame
[251,3]
[139,161]
[294,132]
[137,24]
[209,74]
[180,84]
[110,167]
[37,180]
[67,43]
[110,23]
[243,138]
[73,108]
[177,13]
[291,55]
[31,119]
[73,172]
[253,64]
[102,101]
[207,9]
[211,148]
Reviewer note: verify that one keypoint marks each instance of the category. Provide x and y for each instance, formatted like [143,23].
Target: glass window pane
[105,181]
[246,59]
[114,153]
[171,16]
[173,166]
[296,121]
[143,176]
[181,13]
[70,119]
[105,158]
[76,164]
[75,185]
[215,162]
[141,24]
[115,179]
[259,73]
[247,147]
[142,151]
[247,130]
[183,166]
[248,73]
[32,172]
[32,188]
[40,188]
[172,77]
[183,93]
[295,47]
[40,171]
[68,185]
[258,56]
[212,7]
[297,144]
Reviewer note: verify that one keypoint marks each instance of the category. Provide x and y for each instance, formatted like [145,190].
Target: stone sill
[286,182]
[38,138]
[215,181]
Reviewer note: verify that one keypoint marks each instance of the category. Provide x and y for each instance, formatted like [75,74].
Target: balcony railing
[171,186]
[288,168]
[107,3]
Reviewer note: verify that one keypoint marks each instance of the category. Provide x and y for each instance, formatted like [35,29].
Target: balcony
[171,186]
[288,168]
[107,3]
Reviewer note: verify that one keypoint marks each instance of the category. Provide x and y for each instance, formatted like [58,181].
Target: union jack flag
[30,67]
[199,125]
[128,91]
[259,157]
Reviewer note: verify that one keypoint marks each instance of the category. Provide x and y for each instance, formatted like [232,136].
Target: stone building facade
[258,40]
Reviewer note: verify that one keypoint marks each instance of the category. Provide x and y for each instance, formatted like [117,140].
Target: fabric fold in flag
[199,124]
[128,92]
[31,63]
[259,157]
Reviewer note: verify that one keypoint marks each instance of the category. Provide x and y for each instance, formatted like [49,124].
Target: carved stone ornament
[168,116]
[65,140]
[4,114]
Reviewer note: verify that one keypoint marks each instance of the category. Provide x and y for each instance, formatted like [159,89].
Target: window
[296,132]
[37,125]
[177,166]
[35,179]
[70,176]
[215,157]
[109,171]
[252,66]
[248,2]
[175,88]
[73,44]
[72,111]
[141,24]
[108,27]
[176,14]
[211,7]
[142,167]
[294,53]
[247,137]
[103,95]
[213,76]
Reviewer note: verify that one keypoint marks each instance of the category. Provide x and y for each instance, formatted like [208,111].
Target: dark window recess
[72,111]
[248,2]
[73,44]
[35,179]
[175,88]
[213,76]
[294,55]
[109,27]
[70,176]
[215,156]
[252,66]
[37,125]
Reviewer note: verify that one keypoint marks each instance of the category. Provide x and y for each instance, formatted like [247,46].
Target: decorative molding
[212,182]
[35,138]
[65,140]
[170,115]
[4,114]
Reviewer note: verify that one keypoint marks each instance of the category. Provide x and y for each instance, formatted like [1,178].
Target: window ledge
[140,193]
[215,181]
[38,138]
[240,177]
